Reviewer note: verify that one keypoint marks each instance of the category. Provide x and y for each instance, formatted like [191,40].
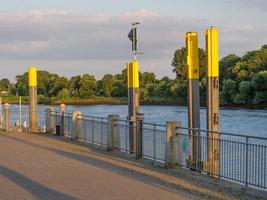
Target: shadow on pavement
[38,190]
[121,170]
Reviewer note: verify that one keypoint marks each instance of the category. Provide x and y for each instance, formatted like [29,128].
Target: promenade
[35,166]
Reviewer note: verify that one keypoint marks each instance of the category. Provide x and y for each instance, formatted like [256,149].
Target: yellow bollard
[32,76]
[133,102]
[212,49]
[194,161]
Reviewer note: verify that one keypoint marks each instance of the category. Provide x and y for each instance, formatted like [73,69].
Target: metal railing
[19,120]
[241,158]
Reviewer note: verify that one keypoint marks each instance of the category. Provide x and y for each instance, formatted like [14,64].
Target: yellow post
[133,102]
[32,76]
[212,49]
[193,101]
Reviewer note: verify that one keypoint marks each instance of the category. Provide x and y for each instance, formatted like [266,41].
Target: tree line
[243,80]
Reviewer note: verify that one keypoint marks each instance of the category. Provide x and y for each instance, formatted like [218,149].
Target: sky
[72,37]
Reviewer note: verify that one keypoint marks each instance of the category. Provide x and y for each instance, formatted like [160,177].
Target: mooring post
[62,117]
[170,151]
[32,76]
[76,124]
[193,102]
[212,49]
[7,112]
[133,102]
[113,137]
[139,136]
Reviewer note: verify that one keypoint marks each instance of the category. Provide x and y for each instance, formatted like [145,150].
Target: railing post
[246,176]
[170,152]
[76,124]
[139,135]
[62,112]
[7,112]
[113,137]
[50,123]
[179,144]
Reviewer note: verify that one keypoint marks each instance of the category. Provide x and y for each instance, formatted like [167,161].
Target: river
[241,121]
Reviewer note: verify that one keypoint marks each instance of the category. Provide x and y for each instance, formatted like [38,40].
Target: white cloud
[58,38]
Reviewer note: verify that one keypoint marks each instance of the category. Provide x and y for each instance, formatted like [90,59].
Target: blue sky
[71,37]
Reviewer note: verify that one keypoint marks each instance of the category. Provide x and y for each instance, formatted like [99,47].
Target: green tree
[246,93]
[87,86]
[119,89]
[56,85]
[107,83]
[63,94]
[5,85]
[22,84]
[226,66]
[74,85]
[229,90]
[259,82]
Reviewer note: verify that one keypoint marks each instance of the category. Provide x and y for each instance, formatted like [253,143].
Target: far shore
[124,101]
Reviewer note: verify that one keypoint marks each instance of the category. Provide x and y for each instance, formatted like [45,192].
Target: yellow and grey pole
[33,99]
[212,49]
[194,161]
[133,102]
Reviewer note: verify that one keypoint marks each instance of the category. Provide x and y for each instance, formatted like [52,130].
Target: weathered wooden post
[62,121]
[113,137]
[7,113]
[170,151]
[212,49]
[194,161]
[32,76]
[133,101]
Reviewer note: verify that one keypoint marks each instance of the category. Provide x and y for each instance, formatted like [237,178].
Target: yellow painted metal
[212,49]
[133,74]
[192,55]
[32,76]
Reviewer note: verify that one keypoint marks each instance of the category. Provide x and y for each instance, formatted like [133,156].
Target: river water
[241,121]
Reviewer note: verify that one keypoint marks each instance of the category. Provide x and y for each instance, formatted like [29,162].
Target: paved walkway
[41,167]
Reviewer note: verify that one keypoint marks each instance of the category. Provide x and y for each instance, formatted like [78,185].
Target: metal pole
[133,101]
[7,110]
[194,161]
[139,135]
[33,98]
[20,114]
[1,114]
[62,122]
[212,50]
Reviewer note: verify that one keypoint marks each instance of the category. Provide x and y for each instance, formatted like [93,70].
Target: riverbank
[122,101]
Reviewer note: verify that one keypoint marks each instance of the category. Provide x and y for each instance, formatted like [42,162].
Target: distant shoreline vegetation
[243,83]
